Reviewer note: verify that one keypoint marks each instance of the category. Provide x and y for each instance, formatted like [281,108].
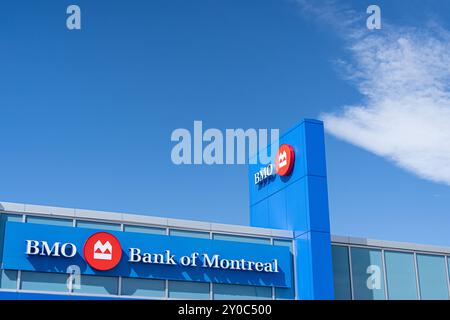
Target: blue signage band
[47,248]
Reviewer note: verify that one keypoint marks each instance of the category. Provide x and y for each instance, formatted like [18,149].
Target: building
[287,253]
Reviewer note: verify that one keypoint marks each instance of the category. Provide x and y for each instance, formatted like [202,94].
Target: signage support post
[299,202]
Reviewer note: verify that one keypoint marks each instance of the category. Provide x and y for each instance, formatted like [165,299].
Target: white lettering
[135,255]
[73,250]
[259,266]
[32,247]
[218,263]
[264,173]
[185,260]
[42,248]
[214,263]
[194,257]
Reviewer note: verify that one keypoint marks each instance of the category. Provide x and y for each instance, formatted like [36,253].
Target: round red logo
[102,251]
[284,161]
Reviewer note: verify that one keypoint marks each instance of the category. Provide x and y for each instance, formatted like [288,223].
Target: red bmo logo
[284,161]
[102,251]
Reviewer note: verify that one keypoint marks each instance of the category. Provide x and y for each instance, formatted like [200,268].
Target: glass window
[188,290]
[97,285]
[229,237]
[141,229]
[283,243]
[400,275]
[143,287]
[341,272]
[286,293]
[8,279]
[51,221]
[367,274]
[11,217]
[97,225]
[231,292]
[189,234]
[44,281]
[432,277]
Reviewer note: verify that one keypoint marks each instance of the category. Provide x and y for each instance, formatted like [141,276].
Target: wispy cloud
[404,75]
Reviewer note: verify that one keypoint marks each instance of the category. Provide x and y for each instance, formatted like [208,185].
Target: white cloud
[404,76]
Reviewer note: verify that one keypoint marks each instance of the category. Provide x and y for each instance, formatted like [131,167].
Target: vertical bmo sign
[47,248]
[297,199]
[284,163]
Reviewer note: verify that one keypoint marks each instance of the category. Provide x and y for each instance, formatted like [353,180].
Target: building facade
[363,269]
[25,283]
[286,253]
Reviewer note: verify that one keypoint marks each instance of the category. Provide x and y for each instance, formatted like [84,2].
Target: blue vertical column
[299,202]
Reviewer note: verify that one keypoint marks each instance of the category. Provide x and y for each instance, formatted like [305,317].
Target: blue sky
[87,115]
